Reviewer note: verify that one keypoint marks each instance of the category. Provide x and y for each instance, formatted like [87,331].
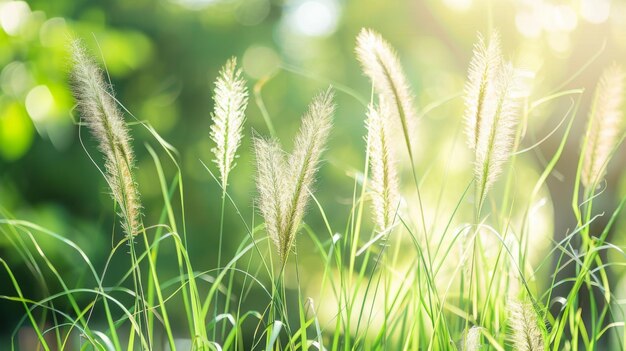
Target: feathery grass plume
[231,100]
[496,131]
[270,177]
[471,339]
[384,178]
[479,89]
[604,126]
[304,161]
[284,185]
[100,113]
[380,63]
[526,335]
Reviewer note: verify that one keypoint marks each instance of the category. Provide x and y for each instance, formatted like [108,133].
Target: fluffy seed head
[380,63]
[471,339]
[101,115]
[604,126]
[479,89]
[496,132]
[270,177]
[384,177]
[304,161]
[284,186]
[526,335]
[230,98]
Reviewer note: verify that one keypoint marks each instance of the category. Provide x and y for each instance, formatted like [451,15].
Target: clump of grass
[101,115]
[525,332]
[231,99]
[284,184]
[605,125]
[418,314]
[384,177]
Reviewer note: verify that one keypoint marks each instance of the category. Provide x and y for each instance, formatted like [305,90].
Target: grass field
[428,255]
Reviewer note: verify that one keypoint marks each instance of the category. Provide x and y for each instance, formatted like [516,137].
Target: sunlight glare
[315,18]
[595,11]
[39,103]
[13,16]
[458,5]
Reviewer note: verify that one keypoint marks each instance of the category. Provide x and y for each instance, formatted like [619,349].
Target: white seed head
[304,161]
[101,115]
[524,324]
[497,128]
[471,339]
[479,88]
[384,177]
[380,63]
[284,186]
[605,125]
[230,98]
[270,178]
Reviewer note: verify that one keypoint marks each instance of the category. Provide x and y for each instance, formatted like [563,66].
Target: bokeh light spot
[565,18]
[528,24]
[125,51]
[560,42]
[315,18]
[15,79]
[16,132]
[194,4]
[458,5]
[252,12]
[260,61]
[595,11]
[53,32]
[39,103]
[13,15]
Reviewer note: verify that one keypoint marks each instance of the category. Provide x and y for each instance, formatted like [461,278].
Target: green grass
[420,286]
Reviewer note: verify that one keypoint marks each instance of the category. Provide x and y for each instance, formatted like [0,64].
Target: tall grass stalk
[101,115]
[230,99]
[381,64]
[599,143]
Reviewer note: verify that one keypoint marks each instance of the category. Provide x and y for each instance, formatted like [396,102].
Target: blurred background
[163,55]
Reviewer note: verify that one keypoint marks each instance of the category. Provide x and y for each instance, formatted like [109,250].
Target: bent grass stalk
[102,117]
